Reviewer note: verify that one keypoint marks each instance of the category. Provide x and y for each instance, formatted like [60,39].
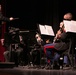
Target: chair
[68,54]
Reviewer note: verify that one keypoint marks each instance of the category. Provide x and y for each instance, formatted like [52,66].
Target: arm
[3,18]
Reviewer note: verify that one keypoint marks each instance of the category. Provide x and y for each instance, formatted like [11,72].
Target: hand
[61,25]
[58,32]
[11,18]
[2,41]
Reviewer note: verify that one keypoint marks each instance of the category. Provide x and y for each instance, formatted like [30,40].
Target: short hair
[68,16]
[37,35]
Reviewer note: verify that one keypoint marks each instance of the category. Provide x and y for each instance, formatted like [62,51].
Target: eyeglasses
[68,19]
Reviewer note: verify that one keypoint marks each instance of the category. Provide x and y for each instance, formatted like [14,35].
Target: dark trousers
[36,57]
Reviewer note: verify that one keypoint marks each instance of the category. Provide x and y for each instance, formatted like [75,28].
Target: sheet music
[50,30]
[70,26]
[46,30]
[42,29]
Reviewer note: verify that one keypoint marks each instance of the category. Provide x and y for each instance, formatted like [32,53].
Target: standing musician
[3,19]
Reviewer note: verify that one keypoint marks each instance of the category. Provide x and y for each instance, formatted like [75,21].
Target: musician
[36,53]
[3,19]
[60,42]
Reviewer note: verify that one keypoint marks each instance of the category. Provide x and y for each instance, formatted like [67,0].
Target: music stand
[46,32]
[70,27]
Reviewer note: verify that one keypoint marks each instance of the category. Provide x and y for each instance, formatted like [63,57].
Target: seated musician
[60,42]
[13,50]
[36,53]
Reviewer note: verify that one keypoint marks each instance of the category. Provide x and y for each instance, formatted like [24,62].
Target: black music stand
[46,32]
[70,27]
[73,36]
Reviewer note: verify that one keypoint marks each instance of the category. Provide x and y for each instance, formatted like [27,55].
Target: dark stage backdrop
[33,12]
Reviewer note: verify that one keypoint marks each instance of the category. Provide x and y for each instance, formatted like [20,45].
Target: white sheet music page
[50,30]
[46,30]
[70,26]
[43,29]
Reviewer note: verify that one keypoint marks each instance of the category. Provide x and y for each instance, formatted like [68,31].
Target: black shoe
[48,66]
[56,66]
[66,67]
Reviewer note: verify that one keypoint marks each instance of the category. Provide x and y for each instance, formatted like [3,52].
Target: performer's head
[37,36]
[68,16]
[61,24]
[47,40]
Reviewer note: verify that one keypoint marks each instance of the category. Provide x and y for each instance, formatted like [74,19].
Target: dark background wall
[34,12]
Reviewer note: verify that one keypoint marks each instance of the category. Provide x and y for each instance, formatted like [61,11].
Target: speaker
[7,64]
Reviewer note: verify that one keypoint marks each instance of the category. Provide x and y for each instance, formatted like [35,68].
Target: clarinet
[56,39]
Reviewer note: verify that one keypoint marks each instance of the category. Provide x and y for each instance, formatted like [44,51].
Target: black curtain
[33,12]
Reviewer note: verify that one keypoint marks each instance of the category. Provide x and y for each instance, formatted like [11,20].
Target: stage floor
[24,70]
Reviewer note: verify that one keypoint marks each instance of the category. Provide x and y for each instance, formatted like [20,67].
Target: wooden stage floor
[24,70]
